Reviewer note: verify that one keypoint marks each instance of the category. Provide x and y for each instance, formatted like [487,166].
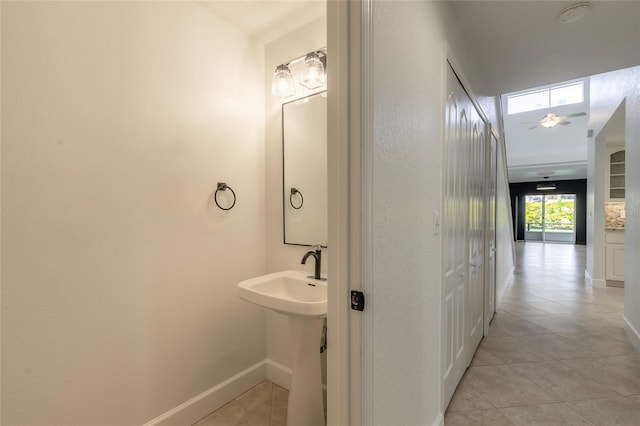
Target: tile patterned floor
[263,405]
[556,353]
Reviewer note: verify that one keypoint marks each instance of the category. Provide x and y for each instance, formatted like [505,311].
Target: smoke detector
[574,13]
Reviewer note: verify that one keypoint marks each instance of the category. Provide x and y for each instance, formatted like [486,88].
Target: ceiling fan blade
[579,114]
[564,123]
[531,128]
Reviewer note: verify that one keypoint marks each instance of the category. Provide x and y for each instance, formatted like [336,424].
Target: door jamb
[344,396]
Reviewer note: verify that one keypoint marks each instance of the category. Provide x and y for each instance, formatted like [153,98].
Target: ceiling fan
[552,119]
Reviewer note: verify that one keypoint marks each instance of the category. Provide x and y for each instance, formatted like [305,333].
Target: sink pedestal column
[306,405]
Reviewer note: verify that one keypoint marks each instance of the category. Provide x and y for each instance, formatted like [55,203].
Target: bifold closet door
[476,146]
[463,233]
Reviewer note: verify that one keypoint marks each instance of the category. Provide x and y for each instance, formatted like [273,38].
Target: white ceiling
[267,20]
[523,46]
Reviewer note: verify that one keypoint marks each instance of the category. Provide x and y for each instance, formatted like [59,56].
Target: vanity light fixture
[283,84]
[312,74]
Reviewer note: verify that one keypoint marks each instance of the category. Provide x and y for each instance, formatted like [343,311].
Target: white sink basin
[304,300]
[289,292]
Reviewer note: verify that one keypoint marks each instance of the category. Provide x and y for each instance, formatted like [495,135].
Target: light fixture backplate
[574,13]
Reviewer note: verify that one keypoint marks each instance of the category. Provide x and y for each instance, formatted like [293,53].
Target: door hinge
[357,300]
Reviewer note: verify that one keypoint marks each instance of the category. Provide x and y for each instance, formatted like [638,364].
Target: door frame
[345,193]
[350,157]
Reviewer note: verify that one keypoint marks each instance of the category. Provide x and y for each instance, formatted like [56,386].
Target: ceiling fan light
[550,120]
[548,123]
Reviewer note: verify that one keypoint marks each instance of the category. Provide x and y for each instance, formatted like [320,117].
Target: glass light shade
[283,85]
[313,75]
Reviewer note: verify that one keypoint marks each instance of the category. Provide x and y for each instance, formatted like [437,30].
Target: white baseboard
[502,289]
[439,421]
[279,374]
[210,400]
[594,282]
[632,333]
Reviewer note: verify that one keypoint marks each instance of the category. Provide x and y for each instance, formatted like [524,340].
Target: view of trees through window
[556,209]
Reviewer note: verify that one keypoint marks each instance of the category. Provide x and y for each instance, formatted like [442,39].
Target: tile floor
[263,405]
[556,353]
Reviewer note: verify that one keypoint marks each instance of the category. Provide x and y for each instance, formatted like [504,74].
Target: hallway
[556,352]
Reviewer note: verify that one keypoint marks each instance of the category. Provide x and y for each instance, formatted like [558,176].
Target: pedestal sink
[304,301]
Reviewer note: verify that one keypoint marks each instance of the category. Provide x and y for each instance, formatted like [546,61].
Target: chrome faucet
[316,253]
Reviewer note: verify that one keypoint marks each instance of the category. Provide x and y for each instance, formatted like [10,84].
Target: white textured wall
[596,193]
[591,203]
[282,257]
[505,255]
[405,304]
[632,226]
[118,277]
[607,91]
[0,221]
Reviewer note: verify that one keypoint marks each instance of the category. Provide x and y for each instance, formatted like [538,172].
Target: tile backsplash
[614,215]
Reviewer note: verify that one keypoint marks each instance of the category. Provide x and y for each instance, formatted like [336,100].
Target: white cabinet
[614,255]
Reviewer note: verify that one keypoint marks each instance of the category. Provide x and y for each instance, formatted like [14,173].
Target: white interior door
[454,237]
[463,234]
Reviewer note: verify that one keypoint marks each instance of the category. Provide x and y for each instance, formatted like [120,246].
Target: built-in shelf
[617,175]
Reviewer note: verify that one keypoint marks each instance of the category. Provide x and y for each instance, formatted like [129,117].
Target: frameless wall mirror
[304,152]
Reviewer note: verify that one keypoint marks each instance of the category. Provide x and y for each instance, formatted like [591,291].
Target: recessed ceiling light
[574,13]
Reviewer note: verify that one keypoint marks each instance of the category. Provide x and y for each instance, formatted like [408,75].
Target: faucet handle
[317,247]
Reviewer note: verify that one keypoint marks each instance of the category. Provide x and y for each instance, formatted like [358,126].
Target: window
[546,98]
[567,95]
[528,101]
